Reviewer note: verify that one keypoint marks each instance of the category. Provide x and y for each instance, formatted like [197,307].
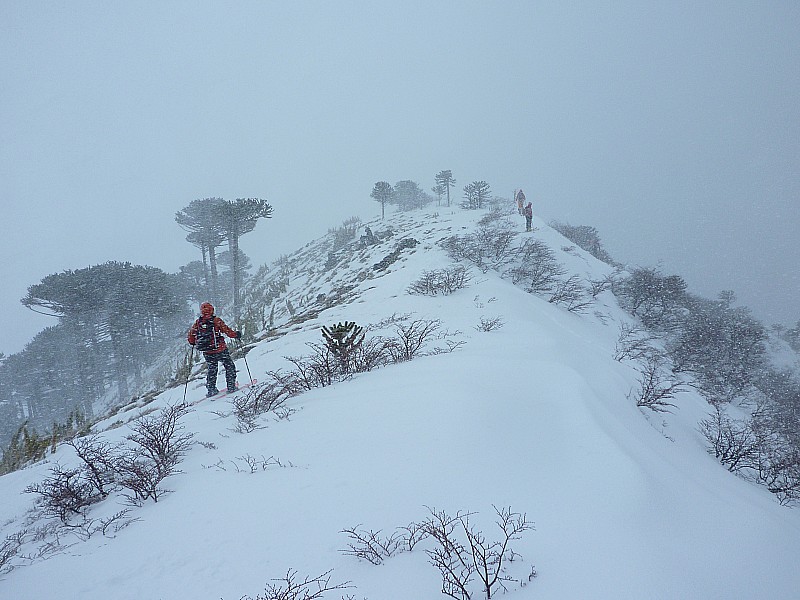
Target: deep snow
[534,415]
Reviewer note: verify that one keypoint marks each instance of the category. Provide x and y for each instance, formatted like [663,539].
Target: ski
[225,393]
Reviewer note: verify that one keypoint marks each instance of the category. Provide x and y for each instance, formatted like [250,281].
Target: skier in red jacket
[206,336]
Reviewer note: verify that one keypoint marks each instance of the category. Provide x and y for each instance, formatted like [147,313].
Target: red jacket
[219,327]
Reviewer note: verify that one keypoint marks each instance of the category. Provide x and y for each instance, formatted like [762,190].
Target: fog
[672,129]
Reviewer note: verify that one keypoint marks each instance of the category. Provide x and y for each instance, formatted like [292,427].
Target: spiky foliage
[343,339]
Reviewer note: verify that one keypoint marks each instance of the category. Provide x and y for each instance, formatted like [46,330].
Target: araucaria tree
[210,222]
[112,317]
[382,192]
[206,232]
[444,180]
[476,194]
[237,218]
[408,195]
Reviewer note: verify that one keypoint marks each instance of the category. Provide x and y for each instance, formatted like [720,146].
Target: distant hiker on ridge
[528,216]
[520,201]
[206,336]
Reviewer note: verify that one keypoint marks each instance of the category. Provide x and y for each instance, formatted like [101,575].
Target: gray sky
[672,127]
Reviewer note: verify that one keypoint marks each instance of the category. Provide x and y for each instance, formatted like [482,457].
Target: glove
[238,334]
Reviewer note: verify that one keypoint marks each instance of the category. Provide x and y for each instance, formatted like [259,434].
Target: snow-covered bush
[754,449]
[571,294]
[734,443]
[260,399]
[9,550]
[65,494]
[633,343]
[459,550]
[160,445]
[489,324]
[490,246]
[290,588]
[658,300]
[536,268]
[441,281]
[584,236]
[657,386]
[412,338]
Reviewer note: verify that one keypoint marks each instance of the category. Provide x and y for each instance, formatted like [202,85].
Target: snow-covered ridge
[533,415]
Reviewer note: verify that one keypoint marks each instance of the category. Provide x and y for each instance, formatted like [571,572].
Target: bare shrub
[9,549]
[318,369]
[371,354]
[160,437]
[656,386]
[255,464]
[754,449]
[571,294]
[495,241]
[368,545]
[463,551]
[160,447]
[426,285]
[497,212]
[411,535]
[412,337]
[65,494]
[346,233]
[490,324]
[537,267]
[450,556]
[441,281]
[734,443]
[139,475]
[490,246]
[778,469]
[290,588]
[633,343]
[260,399]
[116,523]
[584,236]
[100,462]
[598,286]
[656,299]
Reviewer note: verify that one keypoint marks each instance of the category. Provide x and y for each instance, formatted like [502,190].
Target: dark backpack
[206,338]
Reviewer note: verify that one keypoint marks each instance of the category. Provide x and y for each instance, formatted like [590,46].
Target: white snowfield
[535,416]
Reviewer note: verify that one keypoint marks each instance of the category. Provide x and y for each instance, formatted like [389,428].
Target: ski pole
[188,372]
[244,356]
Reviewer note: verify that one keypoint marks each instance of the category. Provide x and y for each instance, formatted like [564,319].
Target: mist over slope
[532,414]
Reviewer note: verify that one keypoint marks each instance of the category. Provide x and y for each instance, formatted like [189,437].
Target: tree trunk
[212,259]
[233,246]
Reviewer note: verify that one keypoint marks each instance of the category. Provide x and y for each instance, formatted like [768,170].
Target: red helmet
[206,309]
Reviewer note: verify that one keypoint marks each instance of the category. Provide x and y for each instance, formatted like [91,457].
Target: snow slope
[533,415]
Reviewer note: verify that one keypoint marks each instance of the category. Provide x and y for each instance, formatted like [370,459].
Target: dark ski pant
[528,221]
[212,361]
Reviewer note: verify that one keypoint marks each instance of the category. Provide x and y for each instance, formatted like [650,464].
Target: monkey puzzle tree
[236,218]
[408,195]
[476,194]
[382,192]
[444,179]
[201,220]
[114,314]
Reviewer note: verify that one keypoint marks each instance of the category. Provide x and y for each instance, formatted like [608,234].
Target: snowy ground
[533,415]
